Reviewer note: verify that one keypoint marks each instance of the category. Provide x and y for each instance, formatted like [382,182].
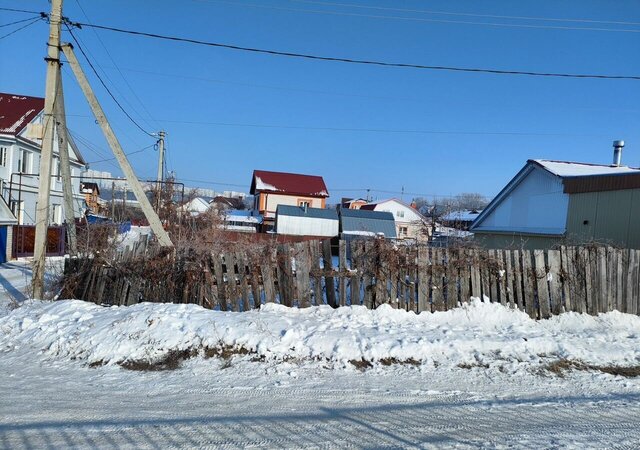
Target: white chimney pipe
[617,152]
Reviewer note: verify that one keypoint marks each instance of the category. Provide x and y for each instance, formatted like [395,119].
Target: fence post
[423,279]
[542,284]
[328,269]
[555,281]
[342,281]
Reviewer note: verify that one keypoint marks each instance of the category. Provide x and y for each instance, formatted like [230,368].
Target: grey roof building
[359,222]
[305,221]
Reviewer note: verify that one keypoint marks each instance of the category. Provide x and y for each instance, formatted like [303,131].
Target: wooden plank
[268,269]
[555,281]
[465,276]
[518,280]
[476,286]
[254,281]
[423,279]
[232,286]
[367,277]
[241,259]
[316,272]
[565,269]
[611,280]
[602,294]
[329,283]
[542,283]
[355,273]
[508,279]
[485,276]
[303,279]
[451,259]
[620,272]
[381,268]
[528,285]
[502,278]
[437,280]
[402,278]
[633,282]
[392,270]
[342,281]
[493,273]
[412,278]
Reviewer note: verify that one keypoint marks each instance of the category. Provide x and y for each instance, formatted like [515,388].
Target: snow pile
[477,334]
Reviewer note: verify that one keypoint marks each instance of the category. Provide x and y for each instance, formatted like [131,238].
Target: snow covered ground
[286,378]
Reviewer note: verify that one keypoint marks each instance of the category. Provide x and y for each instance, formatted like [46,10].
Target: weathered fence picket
[369,273]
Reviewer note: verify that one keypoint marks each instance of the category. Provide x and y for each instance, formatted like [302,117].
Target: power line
[357,61]
[105,86]
[117,68]
[381,130]
[22,11]
[127,154]
[448,13]
[18,21]
[422,19]
[21,28]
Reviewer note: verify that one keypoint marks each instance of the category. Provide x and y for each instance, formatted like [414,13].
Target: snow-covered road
[47,404]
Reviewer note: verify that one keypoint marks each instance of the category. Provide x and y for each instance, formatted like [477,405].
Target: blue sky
[308,116]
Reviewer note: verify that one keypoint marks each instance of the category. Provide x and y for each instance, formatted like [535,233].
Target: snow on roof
[462,216]
[575,169]
[289,183]
[16,111]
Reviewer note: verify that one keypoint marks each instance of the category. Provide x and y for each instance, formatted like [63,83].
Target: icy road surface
[213,403]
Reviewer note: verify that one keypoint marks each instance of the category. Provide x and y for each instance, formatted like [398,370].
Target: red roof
[16,111]
[288,183]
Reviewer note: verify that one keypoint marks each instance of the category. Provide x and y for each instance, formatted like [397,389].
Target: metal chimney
[617,152]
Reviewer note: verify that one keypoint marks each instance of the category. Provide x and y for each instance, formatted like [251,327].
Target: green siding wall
[517,241]
[611,217]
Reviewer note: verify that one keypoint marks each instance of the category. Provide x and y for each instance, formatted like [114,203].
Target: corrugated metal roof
[575,169]
[357,221]
[316,213]
[577,185]
[16,111]
[288,183]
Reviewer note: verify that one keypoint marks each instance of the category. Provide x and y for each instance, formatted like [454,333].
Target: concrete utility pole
[42,209]
[65,170]
[160,178]
[136,187]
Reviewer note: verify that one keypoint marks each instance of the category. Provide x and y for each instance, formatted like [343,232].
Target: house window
[56,168]
[3,156]
[404,231]
[24,165]
[56,214]
[399,213]
[304,204]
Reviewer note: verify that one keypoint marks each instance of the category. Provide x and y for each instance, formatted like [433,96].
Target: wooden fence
[370,273]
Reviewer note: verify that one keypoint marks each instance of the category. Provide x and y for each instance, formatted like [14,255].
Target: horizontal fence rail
[370,273]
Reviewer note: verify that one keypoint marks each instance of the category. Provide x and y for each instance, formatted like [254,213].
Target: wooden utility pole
[136,187]
[65,170]
[42,209]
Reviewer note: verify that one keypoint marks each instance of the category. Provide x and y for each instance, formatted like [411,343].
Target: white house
[21,130]
[410,224]
[196,206]
[305,221]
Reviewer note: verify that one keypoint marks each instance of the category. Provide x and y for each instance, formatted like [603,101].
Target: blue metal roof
[315,213]
[362,221]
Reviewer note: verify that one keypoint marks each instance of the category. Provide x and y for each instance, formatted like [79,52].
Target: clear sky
[228,112]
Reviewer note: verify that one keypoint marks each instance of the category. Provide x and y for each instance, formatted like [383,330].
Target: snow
[479,382]
[476,333]
[262,186]
[572,169]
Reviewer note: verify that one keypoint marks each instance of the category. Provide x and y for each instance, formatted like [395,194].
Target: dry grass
[561,366]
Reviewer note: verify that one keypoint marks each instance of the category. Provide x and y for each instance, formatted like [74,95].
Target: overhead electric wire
[449,13]
[18,21]
[21,11]
[356,61]
[126,154]
[21,28]
[119,71]
[423,19]
[105,85]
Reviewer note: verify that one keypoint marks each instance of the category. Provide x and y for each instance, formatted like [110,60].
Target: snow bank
[477,334]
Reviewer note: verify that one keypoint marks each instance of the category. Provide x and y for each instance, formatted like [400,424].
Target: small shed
[305,221]
[7,221]
[365,223]
[243,220]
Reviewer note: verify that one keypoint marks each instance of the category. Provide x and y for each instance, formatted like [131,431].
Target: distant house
[305,221]
[553,202]
[353,203]
[271,189]
[410,224]
[245,220]
[7,220]
[222,203]
[361,223]
[195,206]
[460,220]
[91,193]
[21,133]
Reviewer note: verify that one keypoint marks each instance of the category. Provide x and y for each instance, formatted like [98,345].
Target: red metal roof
[16,111]
[288,183]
